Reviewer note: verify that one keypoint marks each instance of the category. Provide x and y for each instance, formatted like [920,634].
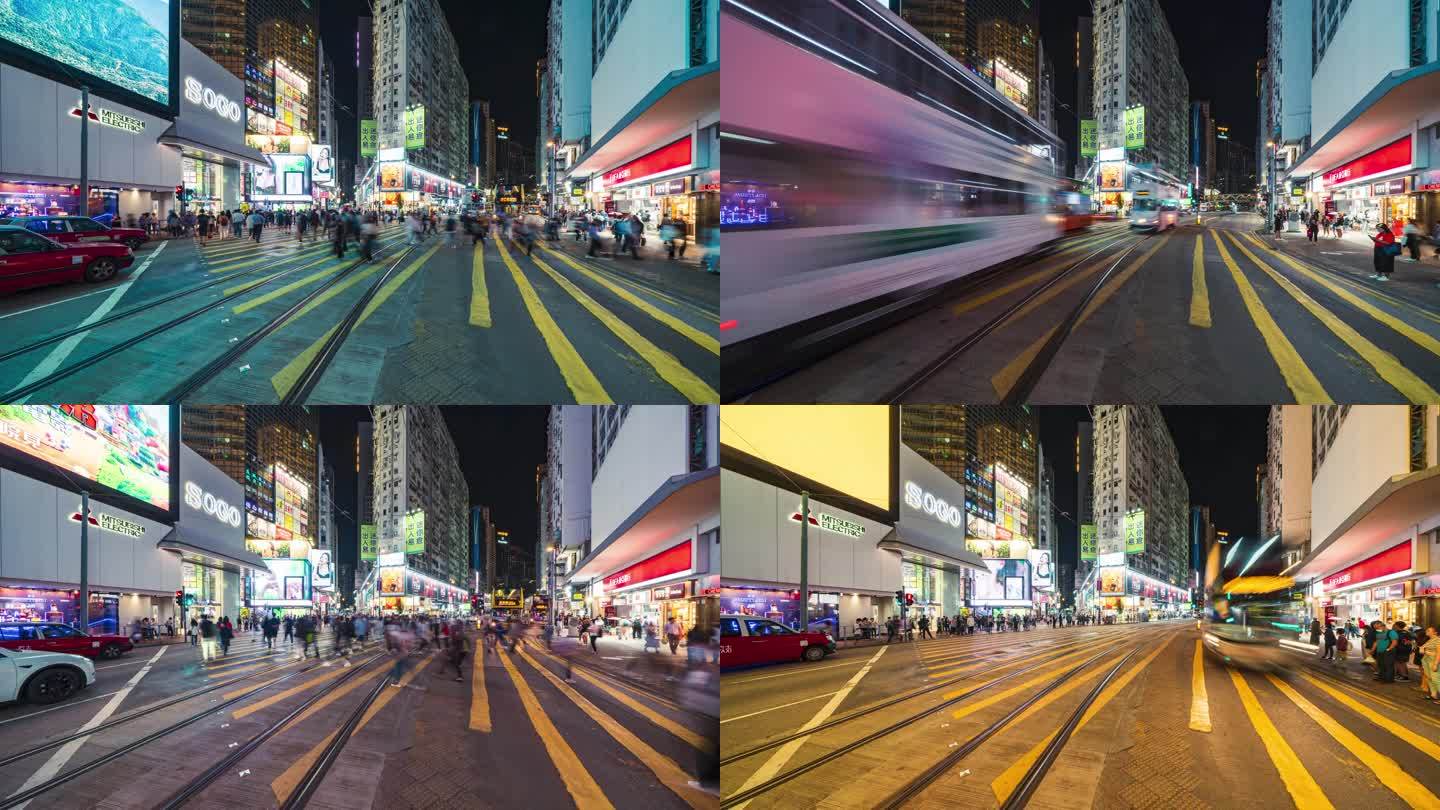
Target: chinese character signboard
[369,137]
[368,545]
[1087,541]
[1135,532]
[415,532]
[415,128]
[1089,138]
[1135,128]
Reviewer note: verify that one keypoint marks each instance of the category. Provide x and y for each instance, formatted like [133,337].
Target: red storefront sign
[1393,560]
[664,159]
[1386,158]
[673,560]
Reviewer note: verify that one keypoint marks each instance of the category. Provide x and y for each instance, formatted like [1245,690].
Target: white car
[42,677]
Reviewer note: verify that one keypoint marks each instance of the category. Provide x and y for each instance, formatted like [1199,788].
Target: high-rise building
[1045,89]
[995,39]
[568,462]
[1291,29]
[1045,504]
[1202,147]
[569,63]
[417,476]
[1084,471]
[480,532]
[544,132]
[1289,457]
[1234,165]
[325,96]
[418,65]
[543,541]
[1137,63]
[1202,539]
[1084,86]
[480,147]
[365,89]
[1137,468]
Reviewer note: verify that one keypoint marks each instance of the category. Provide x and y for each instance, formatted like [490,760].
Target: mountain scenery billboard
[125,49]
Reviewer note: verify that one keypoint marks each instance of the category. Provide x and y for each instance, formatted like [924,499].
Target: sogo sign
[196,93]
[198,498]
[917,498]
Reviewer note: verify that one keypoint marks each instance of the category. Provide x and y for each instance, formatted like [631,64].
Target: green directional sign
[415,532]
[1087,541]
[369,548]
[1089,138]
[1135,128]
[1135,532]
[369,137]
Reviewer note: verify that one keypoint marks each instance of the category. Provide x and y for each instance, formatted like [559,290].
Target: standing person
[1411,234]
[311,636]
[340,242]
[257,223]
[1384,253]
[289,630]
[1367,644]
[207,638]
[227,634]
[194,633]
[450,240]
[1402,651]
[925,627]
[672,635]
[1430,663]
[1340,222]
[1315,632]
[302,223]
[592,231]
[1342,647]
[596,628]
[1329,642]
[1385,641]
[456,646]
[270,627]
[1312,226]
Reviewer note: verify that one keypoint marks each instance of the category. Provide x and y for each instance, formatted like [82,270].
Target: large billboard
[124,448]
[1135,531]
[322,164]
[286,582]
[322,568]
[1006,583]
[292,101]
[1135,128]
[126,50]
[845,449]
[1088,545]
[415,532]
[415,127]
[1112,176]
[1111,581]
[1042,568]
[292,498]
[1012,504]
[369,137]
[287,177]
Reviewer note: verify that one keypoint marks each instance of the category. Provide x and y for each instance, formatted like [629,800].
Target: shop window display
[781,606]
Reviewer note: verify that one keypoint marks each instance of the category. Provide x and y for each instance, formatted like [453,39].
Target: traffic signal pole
[85,530]
[804,561]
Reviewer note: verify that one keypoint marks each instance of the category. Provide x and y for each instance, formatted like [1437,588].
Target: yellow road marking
[641,709]
[576,774]
[1199,295]
[248,667]
[1005,783]
[285,783]
[245,711]
[1045,674]
[938,671]
[1386,364]
[664,768]
[286,377]
[579,379]
[285,255]
[1415,335]
[479,698]
[666,364]
[1006,378]
[642,289]
[1298,781]
[999,292]
[1368,290]
[1301,381]
[1426,745]
[1385,769]
[479,295]
[332,696]
[701,339]
[266,298]
[1199,700]
[1373,698]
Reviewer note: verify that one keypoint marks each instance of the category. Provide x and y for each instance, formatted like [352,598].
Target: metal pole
[804,560]
[84,181]
[85,547]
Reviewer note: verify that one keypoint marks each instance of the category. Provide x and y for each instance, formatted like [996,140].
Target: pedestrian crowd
[1389,650]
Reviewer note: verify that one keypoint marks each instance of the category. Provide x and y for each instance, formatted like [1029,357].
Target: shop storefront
[1373,188]
[394,184]
[210,539]
[1376,587]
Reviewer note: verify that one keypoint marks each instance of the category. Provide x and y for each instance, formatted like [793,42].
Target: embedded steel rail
[315,774]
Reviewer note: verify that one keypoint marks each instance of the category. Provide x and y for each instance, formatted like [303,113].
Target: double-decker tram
[864,168]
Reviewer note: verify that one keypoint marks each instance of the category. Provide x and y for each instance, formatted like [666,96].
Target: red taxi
[750,640]
[72,230]
[28,259]
[61,638]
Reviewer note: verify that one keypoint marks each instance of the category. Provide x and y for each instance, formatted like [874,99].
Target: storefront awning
[1396,505]
[680,98]
[195,544]
[678,504]
[189,138]
[954,560]
[1385,113]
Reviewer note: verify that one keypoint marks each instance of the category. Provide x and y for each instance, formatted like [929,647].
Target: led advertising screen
[1006,583]
[292,100]
[322,568]
[322,163]
[1012,496]
[286,582]
[287,176]
[1042,564]
[125,448]
[392,581]
[1111,582]
[126,49]
[292,496]
[846,448]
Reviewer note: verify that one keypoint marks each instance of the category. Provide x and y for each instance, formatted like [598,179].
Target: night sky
[499,45]
[1219,448]
[1219,42]
[499,448]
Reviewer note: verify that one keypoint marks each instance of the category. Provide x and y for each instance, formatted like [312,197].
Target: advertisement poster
[275,585]
[1111,582]
[292,496]
[1135,532]
[1135,128]
[369,545]
[1112,176]
[392,581]
[322,164]
[1089,138]
[1006,583]
[415,532]
[123,447]
[1088,544]
[1012,498]
[292,99]
[392,176]
[978,528]
[415,128]
[87,39]
[287,175]
[1042,569]
[322,568]
[369,137]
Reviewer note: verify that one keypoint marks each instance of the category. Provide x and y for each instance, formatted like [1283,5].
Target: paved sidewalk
[684,276]
[1352,256]
[671,676]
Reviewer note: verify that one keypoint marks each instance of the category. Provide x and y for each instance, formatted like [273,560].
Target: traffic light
[179,596]
[179,191]
[909,599]
[900,596]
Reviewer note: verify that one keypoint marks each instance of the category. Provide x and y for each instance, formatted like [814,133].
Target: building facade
[1288,466]
[570,60]
[1138,63]
[568,467]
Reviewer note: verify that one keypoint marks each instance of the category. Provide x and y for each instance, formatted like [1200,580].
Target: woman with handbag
[1430,663]
[1385,252]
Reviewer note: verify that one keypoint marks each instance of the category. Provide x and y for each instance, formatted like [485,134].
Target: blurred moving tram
[864,170]
[1252,619]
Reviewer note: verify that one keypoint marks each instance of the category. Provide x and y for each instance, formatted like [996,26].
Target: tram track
[26,390]
[1037,366]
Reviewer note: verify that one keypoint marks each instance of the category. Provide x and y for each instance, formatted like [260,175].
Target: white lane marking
[788,672]
[38,307]
[781,706]
[64,705]
[783,754]
[61,353]
[62,756]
